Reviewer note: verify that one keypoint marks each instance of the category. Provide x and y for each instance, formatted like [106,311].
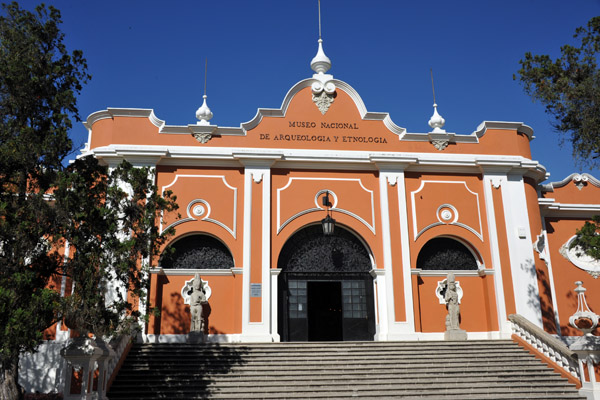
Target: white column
[548,261]
[257,171]
[407,327]
[274,310]
[385,289]
[381,312]
[524,277]
[393,175]
[496,181]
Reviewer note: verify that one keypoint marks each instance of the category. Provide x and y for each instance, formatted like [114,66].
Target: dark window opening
[445,254]
[197,252]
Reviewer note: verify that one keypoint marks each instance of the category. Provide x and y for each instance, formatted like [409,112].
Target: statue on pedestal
[453,331]
[198,302]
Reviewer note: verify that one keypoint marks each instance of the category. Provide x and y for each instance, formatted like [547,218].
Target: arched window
[446,254]
[197,252]
[308,250]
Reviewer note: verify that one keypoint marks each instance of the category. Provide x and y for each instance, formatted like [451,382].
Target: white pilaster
[392,174]
[274,310]
[489,181]
[407,327]
[385,287]
[522,265]
[257,171]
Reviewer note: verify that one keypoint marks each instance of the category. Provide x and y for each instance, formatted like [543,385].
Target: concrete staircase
[338,370]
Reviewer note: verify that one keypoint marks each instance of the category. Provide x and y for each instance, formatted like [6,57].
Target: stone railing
[545,344]
[119,345]
[89,356]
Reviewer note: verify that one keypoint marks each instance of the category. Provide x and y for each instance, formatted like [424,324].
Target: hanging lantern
[328,224]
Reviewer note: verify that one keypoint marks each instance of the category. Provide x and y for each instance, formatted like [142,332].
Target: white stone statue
[197,303]
[453,331]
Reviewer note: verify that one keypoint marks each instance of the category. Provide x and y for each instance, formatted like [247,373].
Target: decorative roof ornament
[323,88]
[203,114]
[320,63]
[436,122]
[438,137]
[584,319]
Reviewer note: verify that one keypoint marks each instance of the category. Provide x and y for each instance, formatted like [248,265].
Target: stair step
[338,370]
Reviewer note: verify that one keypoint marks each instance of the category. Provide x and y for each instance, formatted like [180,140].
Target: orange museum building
[408,209]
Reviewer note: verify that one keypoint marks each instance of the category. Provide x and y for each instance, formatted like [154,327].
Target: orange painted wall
[354,194]
[429,192]
[213,185]
[477,308]
[225,304]
[302,109]
[560,230]
[471,210]
[570,194]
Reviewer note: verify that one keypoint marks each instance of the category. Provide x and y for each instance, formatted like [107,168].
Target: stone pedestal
[587,349]
[107,354]
[455,334]
[81,355]
[196,337]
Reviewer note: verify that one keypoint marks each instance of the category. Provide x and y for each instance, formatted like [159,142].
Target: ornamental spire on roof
[320,63]
[436,122]
[203,114]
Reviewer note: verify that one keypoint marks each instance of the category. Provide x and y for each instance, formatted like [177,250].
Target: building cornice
[549,187]
[504,125]
[307,158]
[552,208]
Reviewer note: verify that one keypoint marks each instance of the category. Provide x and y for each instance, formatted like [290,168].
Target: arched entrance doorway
[325,289]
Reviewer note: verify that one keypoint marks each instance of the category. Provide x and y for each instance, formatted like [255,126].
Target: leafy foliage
[587,238]
[39,80]
[108,218]
[569,87]
[94,226]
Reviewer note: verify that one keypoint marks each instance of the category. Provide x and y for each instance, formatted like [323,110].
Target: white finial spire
[320,63]
[436,122]
[203,114]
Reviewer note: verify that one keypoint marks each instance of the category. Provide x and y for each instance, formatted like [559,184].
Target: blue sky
[151,54]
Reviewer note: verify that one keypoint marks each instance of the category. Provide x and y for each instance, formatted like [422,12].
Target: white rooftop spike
[203,114]
[320,63]
[436,122]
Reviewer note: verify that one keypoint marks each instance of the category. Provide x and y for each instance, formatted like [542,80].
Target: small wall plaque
[256,290]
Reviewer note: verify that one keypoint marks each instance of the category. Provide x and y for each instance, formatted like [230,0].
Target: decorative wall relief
[323,95]
[216,202]
[442,286]
[460,207]
[301,196]
[202,137]
[579,259]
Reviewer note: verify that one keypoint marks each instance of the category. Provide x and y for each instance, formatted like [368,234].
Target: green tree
[569,88]
[39,80]
[587,238]
[105,218]
[109,220]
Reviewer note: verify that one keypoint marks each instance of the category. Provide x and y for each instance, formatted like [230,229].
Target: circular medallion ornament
[447,214]
[198,210]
